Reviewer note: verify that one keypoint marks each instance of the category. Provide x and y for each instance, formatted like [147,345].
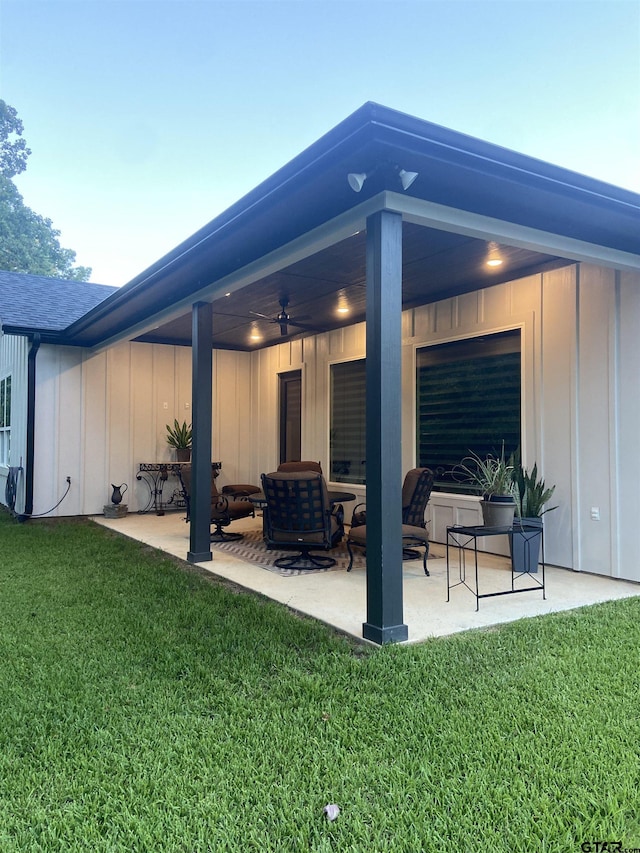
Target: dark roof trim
[475,175]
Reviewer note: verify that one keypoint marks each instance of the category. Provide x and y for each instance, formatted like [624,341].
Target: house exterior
[393,218]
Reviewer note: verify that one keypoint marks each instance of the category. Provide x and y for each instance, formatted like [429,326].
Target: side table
[155,475]
[465,539]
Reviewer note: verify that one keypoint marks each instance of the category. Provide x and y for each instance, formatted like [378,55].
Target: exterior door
[290,416]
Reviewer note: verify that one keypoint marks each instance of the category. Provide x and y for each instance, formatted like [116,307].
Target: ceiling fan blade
[306,326]
[263,316]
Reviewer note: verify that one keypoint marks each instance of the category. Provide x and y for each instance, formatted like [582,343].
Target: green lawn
[145,708]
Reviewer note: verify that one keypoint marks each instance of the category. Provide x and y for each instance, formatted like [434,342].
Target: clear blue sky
[147,118]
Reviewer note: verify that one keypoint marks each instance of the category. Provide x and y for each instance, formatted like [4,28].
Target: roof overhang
[466,187]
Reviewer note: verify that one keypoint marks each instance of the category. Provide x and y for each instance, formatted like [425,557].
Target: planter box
[524,545]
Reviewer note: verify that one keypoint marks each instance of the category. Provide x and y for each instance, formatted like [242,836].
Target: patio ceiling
[435,264]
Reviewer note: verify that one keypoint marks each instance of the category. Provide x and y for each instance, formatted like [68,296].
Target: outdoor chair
[224,508]
[416,491]
[297,516]
[296,467]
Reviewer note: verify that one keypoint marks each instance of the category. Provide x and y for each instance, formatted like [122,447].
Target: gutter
[31,420]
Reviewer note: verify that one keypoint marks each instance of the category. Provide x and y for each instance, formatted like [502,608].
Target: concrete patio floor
[338,598]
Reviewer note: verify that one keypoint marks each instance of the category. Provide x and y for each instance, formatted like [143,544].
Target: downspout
[31,423]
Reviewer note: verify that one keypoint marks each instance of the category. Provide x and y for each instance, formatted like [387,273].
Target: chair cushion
[304,465]
[419,533]
[358,535]
[244,489]
[231,509]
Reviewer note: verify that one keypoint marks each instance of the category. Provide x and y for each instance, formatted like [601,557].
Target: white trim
[457,221]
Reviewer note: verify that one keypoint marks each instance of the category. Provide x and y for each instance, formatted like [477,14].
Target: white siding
[99,416]
[14,351]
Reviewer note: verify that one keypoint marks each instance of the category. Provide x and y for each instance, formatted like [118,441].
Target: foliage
[530,492]
[28,242]
[13,152]
[491,475]
[179,436]
[148,707]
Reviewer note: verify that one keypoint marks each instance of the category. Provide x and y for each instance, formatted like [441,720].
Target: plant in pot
[180,436]
[492,478]
[531,495]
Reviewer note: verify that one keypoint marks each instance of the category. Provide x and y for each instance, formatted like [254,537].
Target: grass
[145,708]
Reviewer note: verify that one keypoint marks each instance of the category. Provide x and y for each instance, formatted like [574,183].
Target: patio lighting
[494,258]
[356,179]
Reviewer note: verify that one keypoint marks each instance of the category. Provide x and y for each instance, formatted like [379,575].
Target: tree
[28,242]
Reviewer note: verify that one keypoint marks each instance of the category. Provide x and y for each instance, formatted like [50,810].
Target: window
[5,419]
[468,399]
[347,442]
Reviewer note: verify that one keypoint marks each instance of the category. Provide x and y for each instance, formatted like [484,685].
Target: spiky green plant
[492,475]
[530,492]
[179,436]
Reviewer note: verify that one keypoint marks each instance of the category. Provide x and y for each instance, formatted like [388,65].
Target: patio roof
[299,234]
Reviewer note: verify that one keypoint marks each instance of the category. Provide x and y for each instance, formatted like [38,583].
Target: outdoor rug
[252,549]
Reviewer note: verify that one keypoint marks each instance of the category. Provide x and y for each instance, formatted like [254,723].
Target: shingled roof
[31,303]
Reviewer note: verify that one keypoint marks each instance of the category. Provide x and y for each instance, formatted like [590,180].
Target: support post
[383,423]
[201,409]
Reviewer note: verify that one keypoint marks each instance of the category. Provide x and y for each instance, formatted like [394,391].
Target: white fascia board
[451,219]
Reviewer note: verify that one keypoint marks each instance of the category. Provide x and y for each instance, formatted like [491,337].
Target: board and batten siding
[580,329]
[14,358]
[99,416]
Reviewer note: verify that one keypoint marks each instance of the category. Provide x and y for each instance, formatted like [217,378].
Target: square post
[383,423]
[201,410]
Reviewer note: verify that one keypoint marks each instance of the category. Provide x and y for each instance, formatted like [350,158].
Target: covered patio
[385,214]
[338,598]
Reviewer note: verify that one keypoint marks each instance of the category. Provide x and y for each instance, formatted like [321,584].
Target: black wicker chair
[297,516]
[416,492]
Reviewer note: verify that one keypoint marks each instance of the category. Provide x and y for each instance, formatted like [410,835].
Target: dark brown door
[290,416]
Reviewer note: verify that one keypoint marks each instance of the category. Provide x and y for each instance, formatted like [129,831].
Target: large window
[347,442]
[468,399]
[5,419]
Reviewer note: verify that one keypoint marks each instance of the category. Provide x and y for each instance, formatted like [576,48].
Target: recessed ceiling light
[494,258]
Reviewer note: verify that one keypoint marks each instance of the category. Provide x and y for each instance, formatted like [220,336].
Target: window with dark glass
[467,400]
[5,419]
[347,443]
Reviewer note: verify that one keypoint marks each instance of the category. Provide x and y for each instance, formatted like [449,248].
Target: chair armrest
[359,517]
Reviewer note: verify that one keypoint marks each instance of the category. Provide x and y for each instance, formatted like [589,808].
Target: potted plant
[492,478]
[531,495]
[180,436]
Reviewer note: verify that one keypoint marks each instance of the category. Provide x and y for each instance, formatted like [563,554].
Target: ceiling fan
[284,319]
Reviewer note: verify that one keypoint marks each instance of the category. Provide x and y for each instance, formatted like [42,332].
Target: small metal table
[155,475]
[462,537]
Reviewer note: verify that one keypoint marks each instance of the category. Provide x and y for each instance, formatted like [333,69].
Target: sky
[148,118]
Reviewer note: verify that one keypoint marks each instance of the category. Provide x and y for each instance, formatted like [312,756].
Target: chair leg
[350,566]
[317,561]
[219,535]
[425,558]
